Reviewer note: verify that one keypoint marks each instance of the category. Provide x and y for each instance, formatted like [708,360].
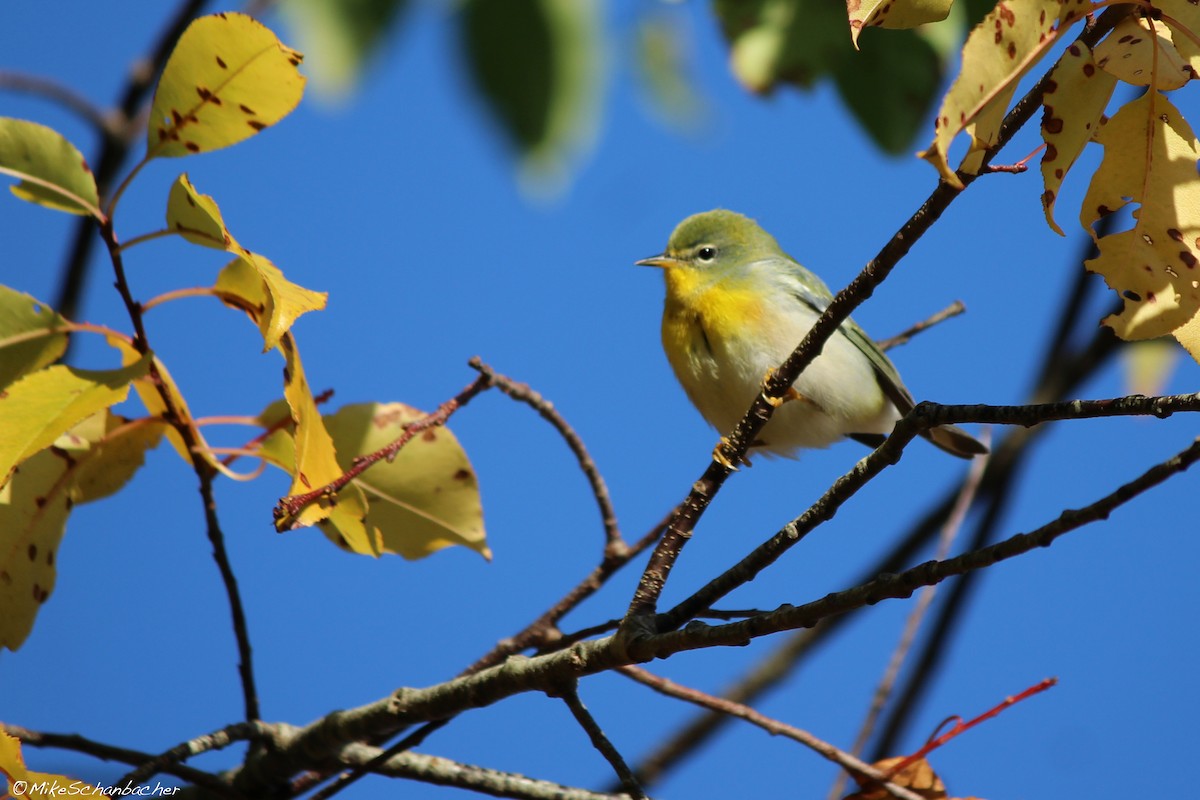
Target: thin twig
[570,696]
[544,629]
[107,752]
[205,473]
[902,338]
[950,529]
[344,780]
[770,725]
[961,727]
[217,740]
[289,507]
[546,409]
[114,150]
[108,125]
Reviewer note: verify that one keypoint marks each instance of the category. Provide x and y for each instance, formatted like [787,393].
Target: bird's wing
[812,291]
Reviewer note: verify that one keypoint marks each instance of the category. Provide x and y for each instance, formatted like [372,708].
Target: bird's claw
[776,402]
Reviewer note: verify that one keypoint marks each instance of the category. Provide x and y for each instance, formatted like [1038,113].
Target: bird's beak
[663,260]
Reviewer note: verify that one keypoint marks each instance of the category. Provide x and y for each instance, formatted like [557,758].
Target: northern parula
[736,307]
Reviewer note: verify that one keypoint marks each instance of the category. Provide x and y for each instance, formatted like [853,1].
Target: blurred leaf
[53,173]
[536,64]
[198,219]
[41,406]
[228,78]
[1072,107]
[340,36]
[1149,365]
[889,85]
[22,314]
[894,14]
[662,50]
[425,499]
[794,41]
[1150,155]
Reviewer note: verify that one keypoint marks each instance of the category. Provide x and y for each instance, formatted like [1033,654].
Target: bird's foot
[790,394]
[723,455]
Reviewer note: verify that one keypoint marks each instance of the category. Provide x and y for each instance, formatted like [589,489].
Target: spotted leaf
[1150,155]
[1076,96]
[1140,52]
[228,78]
[52,172]
[1002,48]
[425,499]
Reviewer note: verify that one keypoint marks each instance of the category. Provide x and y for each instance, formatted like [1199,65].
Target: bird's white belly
[840,394]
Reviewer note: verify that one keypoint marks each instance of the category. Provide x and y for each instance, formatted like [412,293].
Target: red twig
[962,727]
[290,506]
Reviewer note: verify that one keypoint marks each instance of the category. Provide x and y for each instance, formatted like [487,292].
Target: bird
[736,306]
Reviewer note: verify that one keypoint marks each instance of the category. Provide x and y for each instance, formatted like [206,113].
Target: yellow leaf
[1183,18]
[23,348]
[1150,155]
[894,13]
[1074,102]
[106,450]
[38,785]
[152,399]
[1188,335]
[1128,53]
[33,516]
[1148,365]
[1002,48]
[52,172]
[427,498]
[92,460]
[315,459]
[41,406]
[198,219]
[344,526]
[227,79]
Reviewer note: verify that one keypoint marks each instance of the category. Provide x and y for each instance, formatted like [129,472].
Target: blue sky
[402,204]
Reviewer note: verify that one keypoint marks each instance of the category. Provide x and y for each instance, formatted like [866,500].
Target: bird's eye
[706,253]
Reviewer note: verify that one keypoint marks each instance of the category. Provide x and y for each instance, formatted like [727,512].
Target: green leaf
[340,36]
[537,65]
[662,49]
[43,405]
[228,78]
[22,316]
[889,85]
[427,498]
[53,173]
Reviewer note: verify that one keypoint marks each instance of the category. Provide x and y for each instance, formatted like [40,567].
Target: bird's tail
[955,441]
